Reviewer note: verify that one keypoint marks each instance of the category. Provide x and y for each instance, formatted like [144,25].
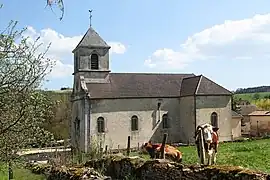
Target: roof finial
[90,11]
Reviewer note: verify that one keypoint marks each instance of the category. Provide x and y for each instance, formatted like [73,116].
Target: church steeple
[91,39]
[91,53]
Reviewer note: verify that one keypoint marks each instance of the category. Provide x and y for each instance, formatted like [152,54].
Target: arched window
[214,119]
[134,123]
[165,121]
[101,125]
[94,61]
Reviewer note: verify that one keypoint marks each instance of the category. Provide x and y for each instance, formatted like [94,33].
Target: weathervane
[90,11]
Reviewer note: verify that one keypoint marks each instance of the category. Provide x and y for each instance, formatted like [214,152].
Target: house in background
[259,123]
[236,125]
[245,111]
[110,106]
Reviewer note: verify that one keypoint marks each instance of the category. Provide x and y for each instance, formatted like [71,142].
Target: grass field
[19,174]
[250,154]
[249,96]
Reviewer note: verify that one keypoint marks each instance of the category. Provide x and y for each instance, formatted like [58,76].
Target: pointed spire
[92,39]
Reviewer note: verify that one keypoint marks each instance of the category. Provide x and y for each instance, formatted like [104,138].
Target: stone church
[109,107]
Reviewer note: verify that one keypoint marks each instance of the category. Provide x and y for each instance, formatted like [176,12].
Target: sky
[227,41]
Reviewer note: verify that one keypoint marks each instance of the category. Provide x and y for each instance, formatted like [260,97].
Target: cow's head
[207,133]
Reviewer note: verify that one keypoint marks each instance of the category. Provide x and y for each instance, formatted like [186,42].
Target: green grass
[250,154]
[19,174]
[253,154]
[249,96]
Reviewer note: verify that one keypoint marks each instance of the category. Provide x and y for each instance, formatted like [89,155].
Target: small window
[94,61]
[134,123]
[214,119]
[101,125]
[165,121]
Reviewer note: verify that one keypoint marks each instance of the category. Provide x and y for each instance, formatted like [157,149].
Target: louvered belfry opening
[94,61]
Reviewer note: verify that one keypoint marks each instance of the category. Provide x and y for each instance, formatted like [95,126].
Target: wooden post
[202,149]
[258,129]
[106,149]
[10,171]
[138,146]
[118,147]
[163,145]
[128,146]
[101,149]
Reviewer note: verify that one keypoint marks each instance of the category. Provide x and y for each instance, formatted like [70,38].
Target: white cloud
[240,39]
[61,49]
[117,47]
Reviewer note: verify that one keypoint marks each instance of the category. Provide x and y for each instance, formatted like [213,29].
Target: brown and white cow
[170,152]
[206,140]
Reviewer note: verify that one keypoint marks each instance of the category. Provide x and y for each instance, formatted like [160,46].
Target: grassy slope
[248,96]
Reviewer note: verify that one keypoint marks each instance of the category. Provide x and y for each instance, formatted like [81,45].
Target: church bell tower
[91,57]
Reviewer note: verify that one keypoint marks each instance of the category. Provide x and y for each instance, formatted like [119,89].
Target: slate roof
[124,85]
[91,39]
[201,85]
[130,85]
[260,113]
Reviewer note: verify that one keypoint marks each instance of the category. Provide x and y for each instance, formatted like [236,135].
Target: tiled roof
[260,113]
[201,85]
[124,85]
[189,86]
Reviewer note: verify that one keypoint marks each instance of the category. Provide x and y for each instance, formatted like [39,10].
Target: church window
[134,123]
[214,119]
[165,121]
[101,125]
[94,61]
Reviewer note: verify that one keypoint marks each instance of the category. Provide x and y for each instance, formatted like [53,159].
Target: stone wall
[117,167]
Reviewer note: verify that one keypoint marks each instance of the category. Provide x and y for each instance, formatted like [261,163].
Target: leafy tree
[235,104]
[58,123]
[23,108]
[267,96]
[256,96]
[263,104]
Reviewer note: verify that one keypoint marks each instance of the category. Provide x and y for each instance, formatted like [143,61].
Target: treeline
[58,122]
[253,90]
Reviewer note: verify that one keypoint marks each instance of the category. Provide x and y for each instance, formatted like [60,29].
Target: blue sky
[227,41]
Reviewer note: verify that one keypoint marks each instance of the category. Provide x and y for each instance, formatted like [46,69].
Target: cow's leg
[214,156]
[210,156]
